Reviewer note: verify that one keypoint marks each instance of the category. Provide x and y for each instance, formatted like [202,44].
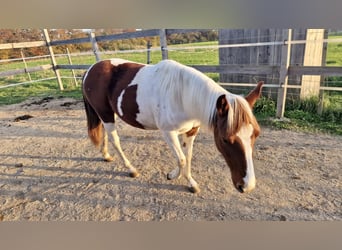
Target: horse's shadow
[115,176]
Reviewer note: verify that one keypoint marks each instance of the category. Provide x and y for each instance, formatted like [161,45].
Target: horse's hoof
[194,190]
[170,176]
[133,174]
[108,159]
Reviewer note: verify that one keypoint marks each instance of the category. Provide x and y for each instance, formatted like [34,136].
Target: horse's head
[235,131]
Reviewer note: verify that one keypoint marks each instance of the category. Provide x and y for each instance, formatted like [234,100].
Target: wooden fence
[283,70]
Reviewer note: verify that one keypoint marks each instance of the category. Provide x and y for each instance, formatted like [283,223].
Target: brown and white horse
[177,100]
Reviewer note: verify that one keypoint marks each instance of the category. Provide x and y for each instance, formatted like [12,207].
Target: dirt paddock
[49,170]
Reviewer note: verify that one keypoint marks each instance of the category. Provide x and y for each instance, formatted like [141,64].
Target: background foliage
[26,35]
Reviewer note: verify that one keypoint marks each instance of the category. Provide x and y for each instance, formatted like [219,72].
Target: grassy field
[302,115]
[334,57]
[50,87]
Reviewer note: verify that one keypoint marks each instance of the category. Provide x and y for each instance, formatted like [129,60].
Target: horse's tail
[94,124]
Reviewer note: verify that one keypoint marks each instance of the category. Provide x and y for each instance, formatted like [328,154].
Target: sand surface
[49,171]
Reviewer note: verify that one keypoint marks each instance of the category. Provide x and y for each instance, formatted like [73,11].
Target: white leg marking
[106,155]
[172,140]
[188,143]
[245,135]
[114,138]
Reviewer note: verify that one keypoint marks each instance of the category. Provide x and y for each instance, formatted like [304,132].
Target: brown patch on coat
[192,132]
[123,75]
[95,89]
[129,106]
[104,84]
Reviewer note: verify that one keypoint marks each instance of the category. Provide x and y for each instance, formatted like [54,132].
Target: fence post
[94,45]
[321,92]
[283,74]
[149,45]
[53,60]
[24,61]
[163,43]
[70,62]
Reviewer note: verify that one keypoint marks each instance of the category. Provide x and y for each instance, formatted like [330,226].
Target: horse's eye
[230,140]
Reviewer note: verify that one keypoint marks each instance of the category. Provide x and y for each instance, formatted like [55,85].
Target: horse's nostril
[240,188]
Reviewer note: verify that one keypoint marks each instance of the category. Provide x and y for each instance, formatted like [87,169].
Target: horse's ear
[222,106]
[254,95]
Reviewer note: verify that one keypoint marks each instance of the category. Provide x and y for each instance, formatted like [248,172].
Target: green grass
[50,88]
[334,53]
[42,89]
[300,115]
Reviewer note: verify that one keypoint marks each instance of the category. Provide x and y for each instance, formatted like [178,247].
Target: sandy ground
[49,170]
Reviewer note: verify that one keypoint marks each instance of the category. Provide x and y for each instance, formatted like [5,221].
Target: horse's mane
[198,93]
[187,86]
[239,114]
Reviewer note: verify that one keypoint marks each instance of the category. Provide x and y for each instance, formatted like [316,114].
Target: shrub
[265,107]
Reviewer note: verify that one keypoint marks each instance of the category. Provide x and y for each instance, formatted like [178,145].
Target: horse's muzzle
[245,188]
[240,188]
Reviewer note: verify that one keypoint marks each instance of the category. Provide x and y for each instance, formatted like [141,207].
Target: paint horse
[177,100]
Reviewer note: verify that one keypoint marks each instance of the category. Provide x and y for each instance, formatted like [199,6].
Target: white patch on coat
[173,97]
[120,98]
[245,134]
[119,102]
[118,61]
[86,74]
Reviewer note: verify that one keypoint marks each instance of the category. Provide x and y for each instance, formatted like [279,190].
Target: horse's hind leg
[114,138]
[106,155]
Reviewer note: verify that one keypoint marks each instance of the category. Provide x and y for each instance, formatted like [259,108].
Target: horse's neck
[188,91]
[200,100]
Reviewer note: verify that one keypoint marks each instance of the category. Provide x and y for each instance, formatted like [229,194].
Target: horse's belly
[146,118]
[157,117]
[148,124]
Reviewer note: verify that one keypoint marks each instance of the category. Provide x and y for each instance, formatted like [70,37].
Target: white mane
[190,88]
[239,113]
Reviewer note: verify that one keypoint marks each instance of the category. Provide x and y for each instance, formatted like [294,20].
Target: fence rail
[74,66]
[279,71]
[22,45]
[26,70]
[228,69]
[315,70]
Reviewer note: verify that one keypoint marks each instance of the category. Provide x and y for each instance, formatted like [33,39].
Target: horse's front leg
[188,141]
[184,161]
[114,138]
[172,140]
